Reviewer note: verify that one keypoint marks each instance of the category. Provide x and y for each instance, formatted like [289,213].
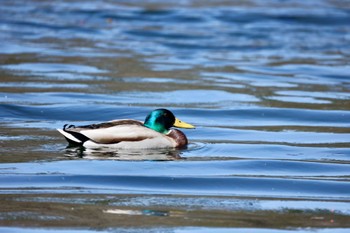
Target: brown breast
[179,137]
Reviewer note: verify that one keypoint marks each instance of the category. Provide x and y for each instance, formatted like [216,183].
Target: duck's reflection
[130,154]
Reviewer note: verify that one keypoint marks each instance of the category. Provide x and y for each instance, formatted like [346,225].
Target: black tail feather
[77,135]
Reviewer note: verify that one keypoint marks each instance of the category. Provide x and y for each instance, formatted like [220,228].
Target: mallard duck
[154,132]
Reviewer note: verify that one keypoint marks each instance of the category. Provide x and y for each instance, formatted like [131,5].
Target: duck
[155,132]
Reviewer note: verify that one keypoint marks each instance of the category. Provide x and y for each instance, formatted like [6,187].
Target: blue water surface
[266,83]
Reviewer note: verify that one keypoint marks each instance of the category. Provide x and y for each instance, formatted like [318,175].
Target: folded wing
[108,132]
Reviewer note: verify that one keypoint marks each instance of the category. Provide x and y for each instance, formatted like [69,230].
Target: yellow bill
[181,124]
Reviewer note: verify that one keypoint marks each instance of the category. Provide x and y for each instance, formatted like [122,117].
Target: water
[265,82]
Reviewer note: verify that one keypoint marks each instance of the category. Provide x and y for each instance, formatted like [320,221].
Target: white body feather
[121,136]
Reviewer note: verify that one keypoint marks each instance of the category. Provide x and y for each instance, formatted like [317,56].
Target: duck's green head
[161,120]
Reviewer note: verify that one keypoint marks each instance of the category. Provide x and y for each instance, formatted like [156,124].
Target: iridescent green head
[161,120]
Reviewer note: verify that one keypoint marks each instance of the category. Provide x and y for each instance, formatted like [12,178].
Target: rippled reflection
[113,154]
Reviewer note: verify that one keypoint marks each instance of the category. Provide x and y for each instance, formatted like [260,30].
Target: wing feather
[113,132]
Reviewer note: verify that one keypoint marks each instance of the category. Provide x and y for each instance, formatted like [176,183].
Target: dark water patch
[289,137]
[270,116]
[69,112]
[285,16]
[169,35]
[166,15]
[241,117]
[185,168]
[174,98]
[268,151]
[235,186]
[33,26]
